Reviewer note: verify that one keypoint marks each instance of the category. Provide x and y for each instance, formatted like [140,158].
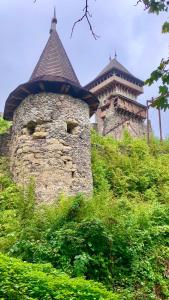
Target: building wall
[113,117]
[115,90]
[51,143]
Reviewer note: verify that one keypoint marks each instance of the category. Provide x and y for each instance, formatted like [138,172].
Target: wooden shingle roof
[114,67]
[113,64]
[54,60]
[52,74]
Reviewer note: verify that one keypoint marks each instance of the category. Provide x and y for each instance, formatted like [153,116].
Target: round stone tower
[51,130]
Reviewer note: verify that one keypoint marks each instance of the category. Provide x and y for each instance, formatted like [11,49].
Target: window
[71,127]
[31,127]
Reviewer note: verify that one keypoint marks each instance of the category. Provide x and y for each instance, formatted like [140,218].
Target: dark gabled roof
[54,60]
[114,67]
[52,74]
[113,64]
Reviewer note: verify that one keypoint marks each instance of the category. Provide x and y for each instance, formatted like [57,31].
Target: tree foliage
[162,72]
[155,6]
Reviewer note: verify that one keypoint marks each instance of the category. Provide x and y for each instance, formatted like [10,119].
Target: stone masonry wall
[51,143]
[113,117]
[5,140]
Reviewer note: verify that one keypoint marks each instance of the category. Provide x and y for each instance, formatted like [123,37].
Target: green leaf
[165,27]
[163,89]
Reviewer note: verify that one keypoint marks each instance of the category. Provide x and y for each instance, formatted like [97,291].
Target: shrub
[4,125]
[20,280]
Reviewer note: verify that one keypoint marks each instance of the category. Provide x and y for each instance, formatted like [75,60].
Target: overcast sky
[132,32]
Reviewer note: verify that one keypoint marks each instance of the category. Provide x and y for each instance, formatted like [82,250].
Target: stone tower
[117,89]
[51,130]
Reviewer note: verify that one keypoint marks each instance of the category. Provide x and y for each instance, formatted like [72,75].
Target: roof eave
[110,81]
[97,79]
[48,84]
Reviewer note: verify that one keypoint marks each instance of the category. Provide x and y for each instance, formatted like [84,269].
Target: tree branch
[87,15]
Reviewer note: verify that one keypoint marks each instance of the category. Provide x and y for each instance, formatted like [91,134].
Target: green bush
[20,280]
[4,125]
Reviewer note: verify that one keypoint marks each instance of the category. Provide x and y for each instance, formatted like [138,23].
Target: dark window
[71,127]
[31,126]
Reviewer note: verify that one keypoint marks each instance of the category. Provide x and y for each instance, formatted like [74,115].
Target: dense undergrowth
[119,237]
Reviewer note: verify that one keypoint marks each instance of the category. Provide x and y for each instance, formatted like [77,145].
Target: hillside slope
[118,237]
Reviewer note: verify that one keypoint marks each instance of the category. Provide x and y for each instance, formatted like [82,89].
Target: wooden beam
[17,98]
[24,90]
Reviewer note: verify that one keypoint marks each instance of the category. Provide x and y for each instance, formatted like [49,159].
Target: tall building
[50,139]
[117,90]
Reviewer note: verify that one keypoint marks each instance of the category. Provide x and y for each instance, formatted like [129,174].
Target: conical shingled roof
[52,74]
[54,60]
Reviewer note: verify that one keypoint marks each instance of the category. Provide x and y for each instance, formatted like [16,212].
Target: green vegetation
[161,74]
[4,125]
[119,237]
[20,280]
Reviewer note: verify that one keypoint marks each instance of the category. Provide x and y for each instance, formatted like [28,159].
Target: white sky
[132,32]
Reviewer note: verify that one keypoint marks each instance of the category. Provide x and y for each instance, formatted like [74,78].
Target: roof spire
[110,57]
[54,12]
[54,22]
[115,55]
[54,60]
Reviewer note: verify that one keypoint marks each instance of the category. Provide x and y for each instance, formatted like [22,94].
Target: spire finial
[54,12]
[110,57]
[115,55]
[54,21]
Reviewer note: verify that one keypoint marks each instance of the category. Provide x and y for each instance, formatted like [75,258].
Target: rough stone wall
[5,140]
[113,117]
[51,143]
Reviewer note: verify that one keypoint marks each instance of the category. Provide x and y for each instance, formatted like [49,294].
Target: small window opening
[31,126]
[73,174]
[71,126]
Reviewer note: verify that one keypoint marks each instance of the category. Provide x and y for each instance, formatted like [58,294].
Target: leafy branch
[162,72]
[154,6]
